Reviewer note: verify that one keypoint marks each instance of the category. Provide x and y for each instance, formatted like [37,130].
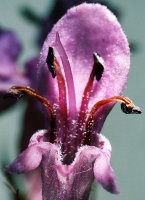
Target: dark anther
[98,66]
[14,95]
[50,62]
[129,110]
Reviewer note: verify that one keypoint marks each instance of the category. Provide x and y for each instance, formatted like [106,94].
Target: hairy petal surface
[34,185]
[104,174]
[59,181]
[86,29]
[68,182]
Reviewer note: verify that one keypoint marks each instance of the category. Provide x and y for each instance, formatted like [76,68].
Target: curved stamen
[62,90]
[127,106]
[86,96]
[20,90]
[62,105]
[55,70]
[68,76]
[97,72]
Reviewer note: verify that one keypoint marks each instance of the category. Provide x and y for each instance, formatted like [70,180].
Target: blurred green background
[126,132]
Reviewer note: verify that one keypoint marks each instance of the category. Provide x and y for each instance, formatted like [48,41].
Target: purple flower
[82,70]
[10,49]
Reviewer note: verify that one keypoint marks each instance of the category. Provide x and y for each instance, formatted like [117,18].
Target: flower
[10,49]
[85,59]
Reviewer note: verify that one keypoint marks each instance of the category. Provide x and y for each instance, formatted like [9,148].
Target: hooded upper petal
[61,5]
[86,29]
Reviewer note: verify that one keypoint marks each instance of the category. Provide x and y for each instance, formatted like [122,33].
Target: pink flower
[85,59]
[10,49]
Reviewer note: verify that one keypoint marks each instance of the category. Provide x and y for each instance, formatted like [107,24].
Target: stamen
[62,95]
[62,90]
[14,95]
[50,62]
[127,107]
[98,65]
[129,110]
[55,70]
[96,71]
[68,76]
[17,91]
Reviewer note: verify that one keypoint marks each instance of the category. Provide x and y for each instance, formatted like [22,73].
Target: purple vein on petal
[68,76]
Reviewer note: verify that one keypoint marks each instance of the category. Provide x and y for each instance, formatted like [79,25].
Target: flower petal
[31,71]
[67,182]
[10,49]
[10,46]
[104,174]
[30,158]
[86,29]
[34,185]
[27,161]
